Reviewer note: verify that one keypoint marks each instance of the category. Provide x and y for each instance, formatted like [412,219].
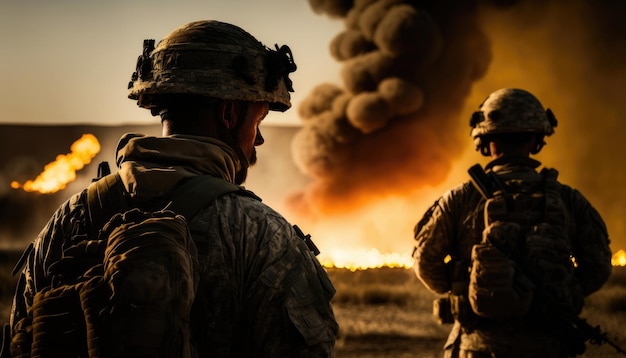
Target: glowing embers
[619,258]
[57,174]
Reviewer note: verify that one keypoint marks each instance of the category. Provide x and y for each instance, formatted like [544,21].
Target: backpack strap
[197,192]
[549,173]
[549,178]
[105,197]
[108,196]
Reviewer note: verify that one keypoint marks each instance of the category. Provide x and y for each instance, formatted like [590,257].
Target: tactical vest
[525,244]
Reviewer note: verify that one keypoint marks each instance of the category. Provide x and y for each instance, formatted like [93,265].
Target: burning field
[375,150]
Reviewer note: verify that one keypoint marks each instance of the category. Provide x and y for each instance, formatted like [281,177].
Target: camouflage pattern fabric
[456,224]
[261,292]
[213,59]
[150,267]
[512,110]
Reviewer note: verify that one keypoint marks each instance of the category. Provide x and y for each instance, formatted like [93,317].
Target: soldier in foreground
[515,250]
[247,284]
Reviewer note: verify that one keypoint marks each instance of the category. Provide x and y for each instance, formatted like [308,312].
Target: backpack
[126,288]
[524,244]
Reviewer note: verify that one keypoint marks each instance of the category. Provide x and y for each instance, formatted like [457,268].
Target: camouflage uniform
[455,226]
[261,293]
[456,222]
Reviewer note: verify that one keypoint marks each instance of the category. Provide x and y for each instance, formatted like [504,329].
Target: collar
[151,166]
[507,164]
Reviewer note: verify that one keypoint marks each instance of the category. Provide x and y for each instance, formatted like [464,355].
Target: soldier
[515,265]
[261,292]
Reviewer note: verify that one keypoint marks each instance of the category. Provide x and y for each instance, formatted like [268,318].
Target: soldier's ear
[228,114]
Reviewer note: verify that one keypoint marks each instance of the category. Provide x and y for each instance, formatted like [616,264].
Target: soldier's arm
[290,297]
[433,244]
[590,244]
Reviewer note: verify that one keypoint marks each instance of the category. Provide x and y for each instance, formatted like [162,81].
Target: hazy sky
[68,61]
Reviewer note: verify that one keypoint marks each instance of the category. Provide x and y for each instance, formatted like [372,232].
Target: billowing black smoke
[392,128]
[413,71]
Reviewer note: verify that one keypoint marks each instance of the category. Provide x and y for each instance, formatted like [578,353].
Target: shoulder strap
[105,197]
[108,196]
[549,173]
[197,192]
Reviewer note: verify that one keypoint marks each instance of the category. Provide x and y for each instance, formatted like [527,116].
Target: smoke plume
[392,128]
[413,71]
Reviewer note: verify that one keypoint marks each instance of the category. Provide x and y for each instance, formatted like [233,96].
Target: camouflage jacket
[262,293]
[455,225]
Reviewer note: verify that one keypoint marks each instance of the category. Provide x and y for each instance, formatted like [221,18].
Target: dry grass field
[387,312]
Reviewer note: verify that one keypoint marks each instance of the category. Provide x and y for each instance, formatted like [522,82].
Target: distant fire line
[57,174]
[619,258]
[362,259]
[356,260]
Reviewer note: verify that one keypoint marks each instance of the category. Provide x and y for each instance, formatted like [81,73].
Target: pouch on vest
[497,286]
[136,303]
[125,290]
[525,244]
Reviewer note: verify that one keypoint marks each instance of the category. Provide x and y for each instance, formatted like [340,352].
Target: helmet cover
[512,110]
[213,59]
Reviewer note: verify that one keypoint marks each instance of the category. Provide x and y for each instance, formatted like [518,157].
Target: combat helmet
[511,110]
[213,59]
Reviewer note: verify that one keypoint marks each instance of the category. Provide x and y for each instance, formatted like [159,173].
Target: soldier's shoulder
[570,193]
[461,192]
[73,206]
[250,205]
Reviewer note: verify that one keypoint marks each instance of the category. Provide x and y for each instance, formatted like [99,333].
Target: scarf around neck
[151,166]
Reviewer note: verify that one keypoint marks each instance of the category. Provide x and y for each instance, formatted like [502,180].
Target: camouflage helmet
[213,59]
[512,110]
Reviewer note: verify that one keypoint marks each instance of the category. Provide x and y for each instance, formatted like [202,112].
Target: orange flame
[59,173]
[619,258]
[362,259]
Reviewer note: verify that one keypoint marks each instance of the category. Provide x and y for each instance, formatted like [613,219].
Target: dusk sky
[69,61]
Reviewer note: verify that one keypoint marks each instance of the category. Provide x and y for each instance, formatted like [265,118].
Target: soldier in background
[555,243]
[261,292]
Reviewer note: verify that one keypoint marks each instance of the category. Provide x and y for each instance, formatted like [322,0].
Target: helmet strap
[539,145]
[482,147]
